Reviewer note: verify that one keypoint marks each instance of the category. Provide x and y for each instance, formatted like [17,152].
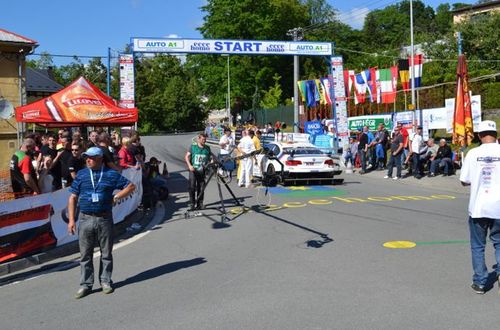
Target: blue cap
[93,152]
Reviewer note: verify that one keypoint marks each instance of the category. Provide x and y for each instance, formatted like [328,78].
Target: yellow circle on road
[320,202]
[400,245]
[294,204]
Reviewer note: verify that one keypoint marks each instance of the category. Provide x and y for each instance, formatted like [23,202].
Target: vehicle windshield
[303,151]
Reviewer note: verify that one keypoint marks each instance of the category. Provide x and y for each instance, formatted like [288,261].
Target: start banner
[30,224]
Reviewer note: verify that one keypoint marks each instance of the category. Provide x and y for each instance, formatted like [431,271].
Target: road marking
[444,242]
[410,245]
[400,245]
[320,202]
[294,204]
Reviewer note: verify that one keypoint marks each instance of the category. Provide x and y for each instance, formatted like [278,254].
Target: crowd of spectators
[49,161]
[384,150]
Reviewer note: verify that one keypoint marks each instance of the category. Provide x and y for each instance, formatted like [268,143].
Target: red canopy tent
[80,103]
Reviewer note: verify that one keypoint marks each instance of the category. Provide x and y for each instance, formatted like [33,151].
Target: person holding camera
[197,158]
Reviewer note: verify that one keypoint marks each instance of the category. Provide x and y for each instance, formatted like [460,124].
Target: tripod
[213,167]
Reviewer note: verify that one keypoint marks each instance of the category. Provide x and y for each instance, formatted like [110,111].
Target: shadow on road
[160,271]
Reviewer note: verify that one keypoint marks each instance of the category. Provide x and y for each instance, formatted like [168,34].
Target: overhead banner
[32,223]
[247,47]
[127,89]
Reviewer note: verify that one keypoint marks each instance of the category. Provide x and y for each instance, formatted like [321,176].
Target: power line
[67,56]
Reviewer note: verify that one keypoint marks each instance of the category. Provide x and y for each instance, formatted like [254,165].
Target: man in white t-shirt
[481,170]
[246,146]
[226,144]
[417,145]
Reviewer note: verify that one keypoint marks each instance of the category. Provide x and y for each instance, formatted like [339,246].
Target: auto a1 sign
[371,121]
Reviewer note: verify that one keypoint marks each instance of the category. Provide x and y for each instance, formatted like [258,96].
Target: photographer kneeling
[197,158]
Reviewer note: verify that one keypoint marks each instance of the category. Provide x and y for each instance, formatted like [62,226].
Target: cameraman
[197,158]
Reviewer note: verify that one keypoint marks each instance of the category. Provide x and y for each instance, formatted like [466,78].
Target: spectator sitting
[431,151]
[442,158]
[127,160]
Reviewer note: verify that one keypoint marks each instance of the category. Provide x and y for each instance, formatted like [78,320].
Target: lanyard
[92,178]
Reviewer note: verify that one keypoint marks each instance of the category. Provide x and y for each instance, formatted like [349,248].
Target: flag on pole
[347,83]
[311,93]
[321,91]
[302,90]
[417,69]
[360,89]
[404,74]
[462,117]
[373,84]
[368,79]
[394,76]
[388,91]
[378,86]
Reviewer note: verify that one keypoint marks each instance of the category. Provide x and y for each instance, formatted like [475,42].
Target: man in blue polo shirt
[93,190]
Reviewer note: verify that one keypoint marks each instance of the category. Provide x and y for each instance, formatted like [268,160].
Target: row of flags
[381,84]
[315,91]
[373,84]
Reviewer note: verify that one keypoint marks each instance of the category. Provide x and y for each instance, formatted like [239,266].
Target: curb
[121,231]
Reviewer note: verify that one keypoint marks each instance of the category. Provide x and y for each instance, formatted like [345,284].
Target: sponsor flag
[462,117]
[311,93]
[417,69]
[359,89]
[321,91]
[404,74]
[388,93]
[302,89]
[327,88]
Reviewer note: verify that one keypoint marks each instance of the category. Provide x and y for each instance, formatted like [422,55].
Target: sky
[88,28]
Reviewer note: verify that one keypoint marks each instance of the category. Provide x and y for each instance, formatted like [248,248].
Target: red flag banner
[462,117]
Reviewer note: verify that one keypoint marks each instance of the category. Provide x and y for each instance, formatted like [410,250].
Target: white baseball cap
[487,126]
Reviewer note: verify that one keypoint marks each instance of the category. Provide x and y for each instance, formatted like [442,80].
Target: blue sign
[313,127]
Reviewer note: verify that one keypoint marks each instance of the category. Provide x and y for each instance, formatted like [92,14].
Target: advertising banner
[371,121]
[31,223]
[476,112]
[127,89]
[340,100]
[237,47]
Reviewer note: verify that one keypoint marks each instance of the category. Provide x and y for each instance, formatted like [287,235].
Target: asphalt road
[314,260]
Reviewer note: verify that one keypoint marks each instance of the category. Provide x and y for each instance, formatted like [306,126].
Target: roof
[38,80]
[477,6]
[7,36]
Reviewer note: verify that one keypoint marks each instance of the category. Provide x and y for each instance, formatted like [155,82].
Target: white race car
[296,163]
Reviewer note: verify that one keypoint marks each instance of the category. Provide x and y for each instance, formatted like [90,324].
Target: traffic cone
[348,168]
[165,170]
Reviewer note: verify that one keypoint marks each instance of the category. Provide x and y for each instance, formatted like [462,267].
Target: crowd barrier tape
[32,223]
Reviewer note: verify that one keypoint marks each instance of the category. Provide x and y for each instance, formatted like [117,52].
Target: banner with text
[127,88]
[33,223]
[340,100]
[248,47]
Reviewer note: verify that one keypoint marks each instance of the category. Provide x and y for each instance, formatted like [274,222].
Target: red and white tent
[80,103]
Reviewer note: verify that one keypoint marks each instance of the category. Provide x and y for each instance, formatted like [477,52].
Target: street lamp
[228,96]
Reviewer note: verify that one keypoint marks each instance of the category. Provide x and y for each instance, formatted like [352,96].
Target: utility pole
[108,73]
[297,35]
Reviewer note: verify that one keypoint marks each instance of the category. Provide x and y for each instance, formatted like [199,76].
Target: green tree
[96,73]
[167,95]
[272,97]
